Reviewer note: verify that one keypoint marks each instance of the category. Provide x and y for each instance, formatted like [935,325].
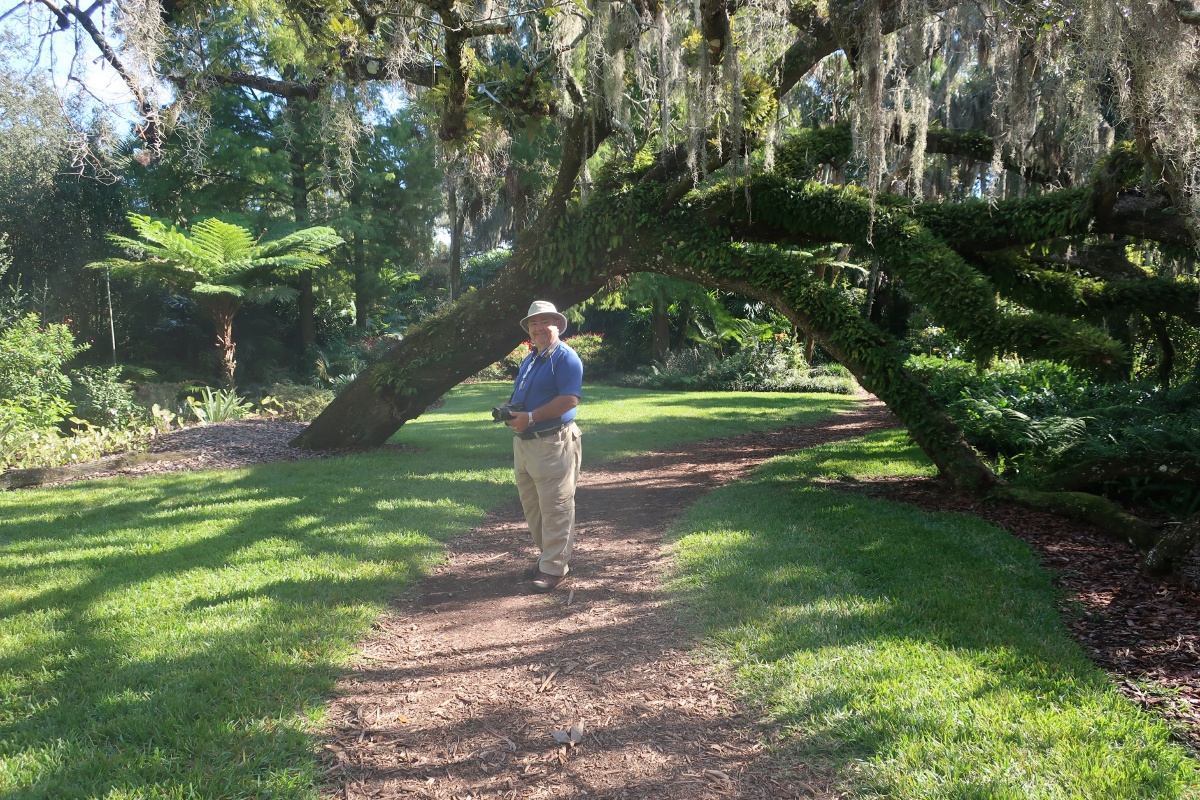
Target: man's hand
[519,422]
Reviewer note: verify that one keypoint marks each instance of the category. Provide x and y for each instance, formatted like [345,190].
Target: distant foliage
[347,354]
[595,355]
[169,396]
[763,367]
[480,270]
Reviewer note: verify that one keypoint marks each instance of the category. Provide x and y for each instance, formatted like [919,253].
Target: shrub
[220,406]
[597,358]
[31,374]
[166,396]
[505,369]
[762,367]
[25,447]
[1037,417]
[102,399]
[297,402]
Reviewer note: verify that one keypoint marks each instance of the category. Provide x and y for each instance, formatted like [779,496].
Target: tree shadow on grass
[922,653]
[177,633]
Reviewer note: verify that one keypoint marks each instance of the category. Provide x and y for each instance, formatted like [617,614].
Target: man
[547,449]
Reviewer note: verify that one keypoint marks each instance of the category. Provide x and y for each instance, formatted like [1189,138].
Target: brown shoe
[532,572]
[544,582]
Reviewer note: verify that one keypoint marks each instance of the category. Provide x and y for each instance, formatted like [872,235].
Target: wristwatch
[530,413]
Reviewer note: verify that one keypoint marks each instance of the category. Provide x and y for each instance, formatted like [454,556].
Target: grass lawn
[176,636]
[907,654]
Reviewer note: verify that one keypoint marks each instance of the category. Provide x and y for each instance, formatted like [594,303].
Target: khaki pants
[547,471]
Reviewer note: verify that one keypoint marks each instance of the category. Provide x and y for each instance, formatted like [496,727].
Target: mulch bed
[222,445]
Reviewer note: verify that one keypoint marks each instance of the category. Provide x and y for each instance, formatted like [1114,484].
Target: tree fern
[220,264]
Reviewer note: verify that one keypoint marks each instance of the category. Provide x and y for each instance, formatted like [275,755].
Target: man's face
[543,329]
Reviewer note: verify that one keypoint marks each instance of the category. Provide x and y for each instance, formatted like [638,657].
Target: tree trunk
[1166,358]
[457,222]
[222,314]
[363,294]
[364,281]
[1173,546]
[660,324]
[36,476]
[300,210]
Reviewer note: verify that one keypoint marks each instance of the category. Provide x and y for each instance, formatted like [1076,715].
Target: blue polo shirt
[544,377]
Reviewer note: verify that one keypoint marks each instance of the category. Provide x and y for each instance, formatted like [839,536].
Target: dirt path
[468,685]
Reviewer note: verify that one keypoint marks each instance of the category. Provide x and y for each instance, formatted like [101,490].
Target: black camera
[505,412]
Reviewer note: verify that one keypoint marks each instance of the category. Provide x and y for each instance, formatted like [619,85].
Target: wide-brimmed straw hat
[544,307]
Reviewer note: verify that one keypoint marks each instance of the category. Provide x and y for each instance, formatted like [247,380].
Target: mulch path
[473,686]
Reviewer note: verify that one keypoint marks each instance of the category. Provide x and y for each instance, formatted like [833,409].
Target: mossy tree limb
[1090,508]
[872,356]
[960,297]
[1056,292]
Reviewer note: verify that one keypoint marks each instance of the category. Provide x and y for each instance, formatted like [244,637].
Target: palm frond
[221,242]
[308,241]
[231,289]
[269,294]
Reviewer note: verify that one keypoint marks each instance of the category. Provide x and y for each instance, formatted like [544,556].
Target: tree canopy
[1024,170]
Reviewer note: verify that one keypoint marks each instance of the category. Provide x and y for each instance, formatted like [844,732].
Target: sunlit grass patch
[176,636]
[913,655]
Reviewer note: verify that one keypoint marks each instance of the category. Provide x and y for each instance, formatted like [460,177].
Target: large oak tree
[709,141]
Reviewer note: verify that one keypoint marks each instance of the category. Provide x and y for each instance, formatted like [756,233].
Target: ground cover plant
[177,636]
[909,654]
[1043,422]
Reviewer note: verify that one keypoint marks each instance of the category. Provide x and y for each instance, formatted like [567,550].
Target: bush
[170,396]
[764,367]
[1038,417]
[31,370]
[297,402]
[597,357]
[505,369]
[34,402]
[220,406]
[102,399]
[28,448]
